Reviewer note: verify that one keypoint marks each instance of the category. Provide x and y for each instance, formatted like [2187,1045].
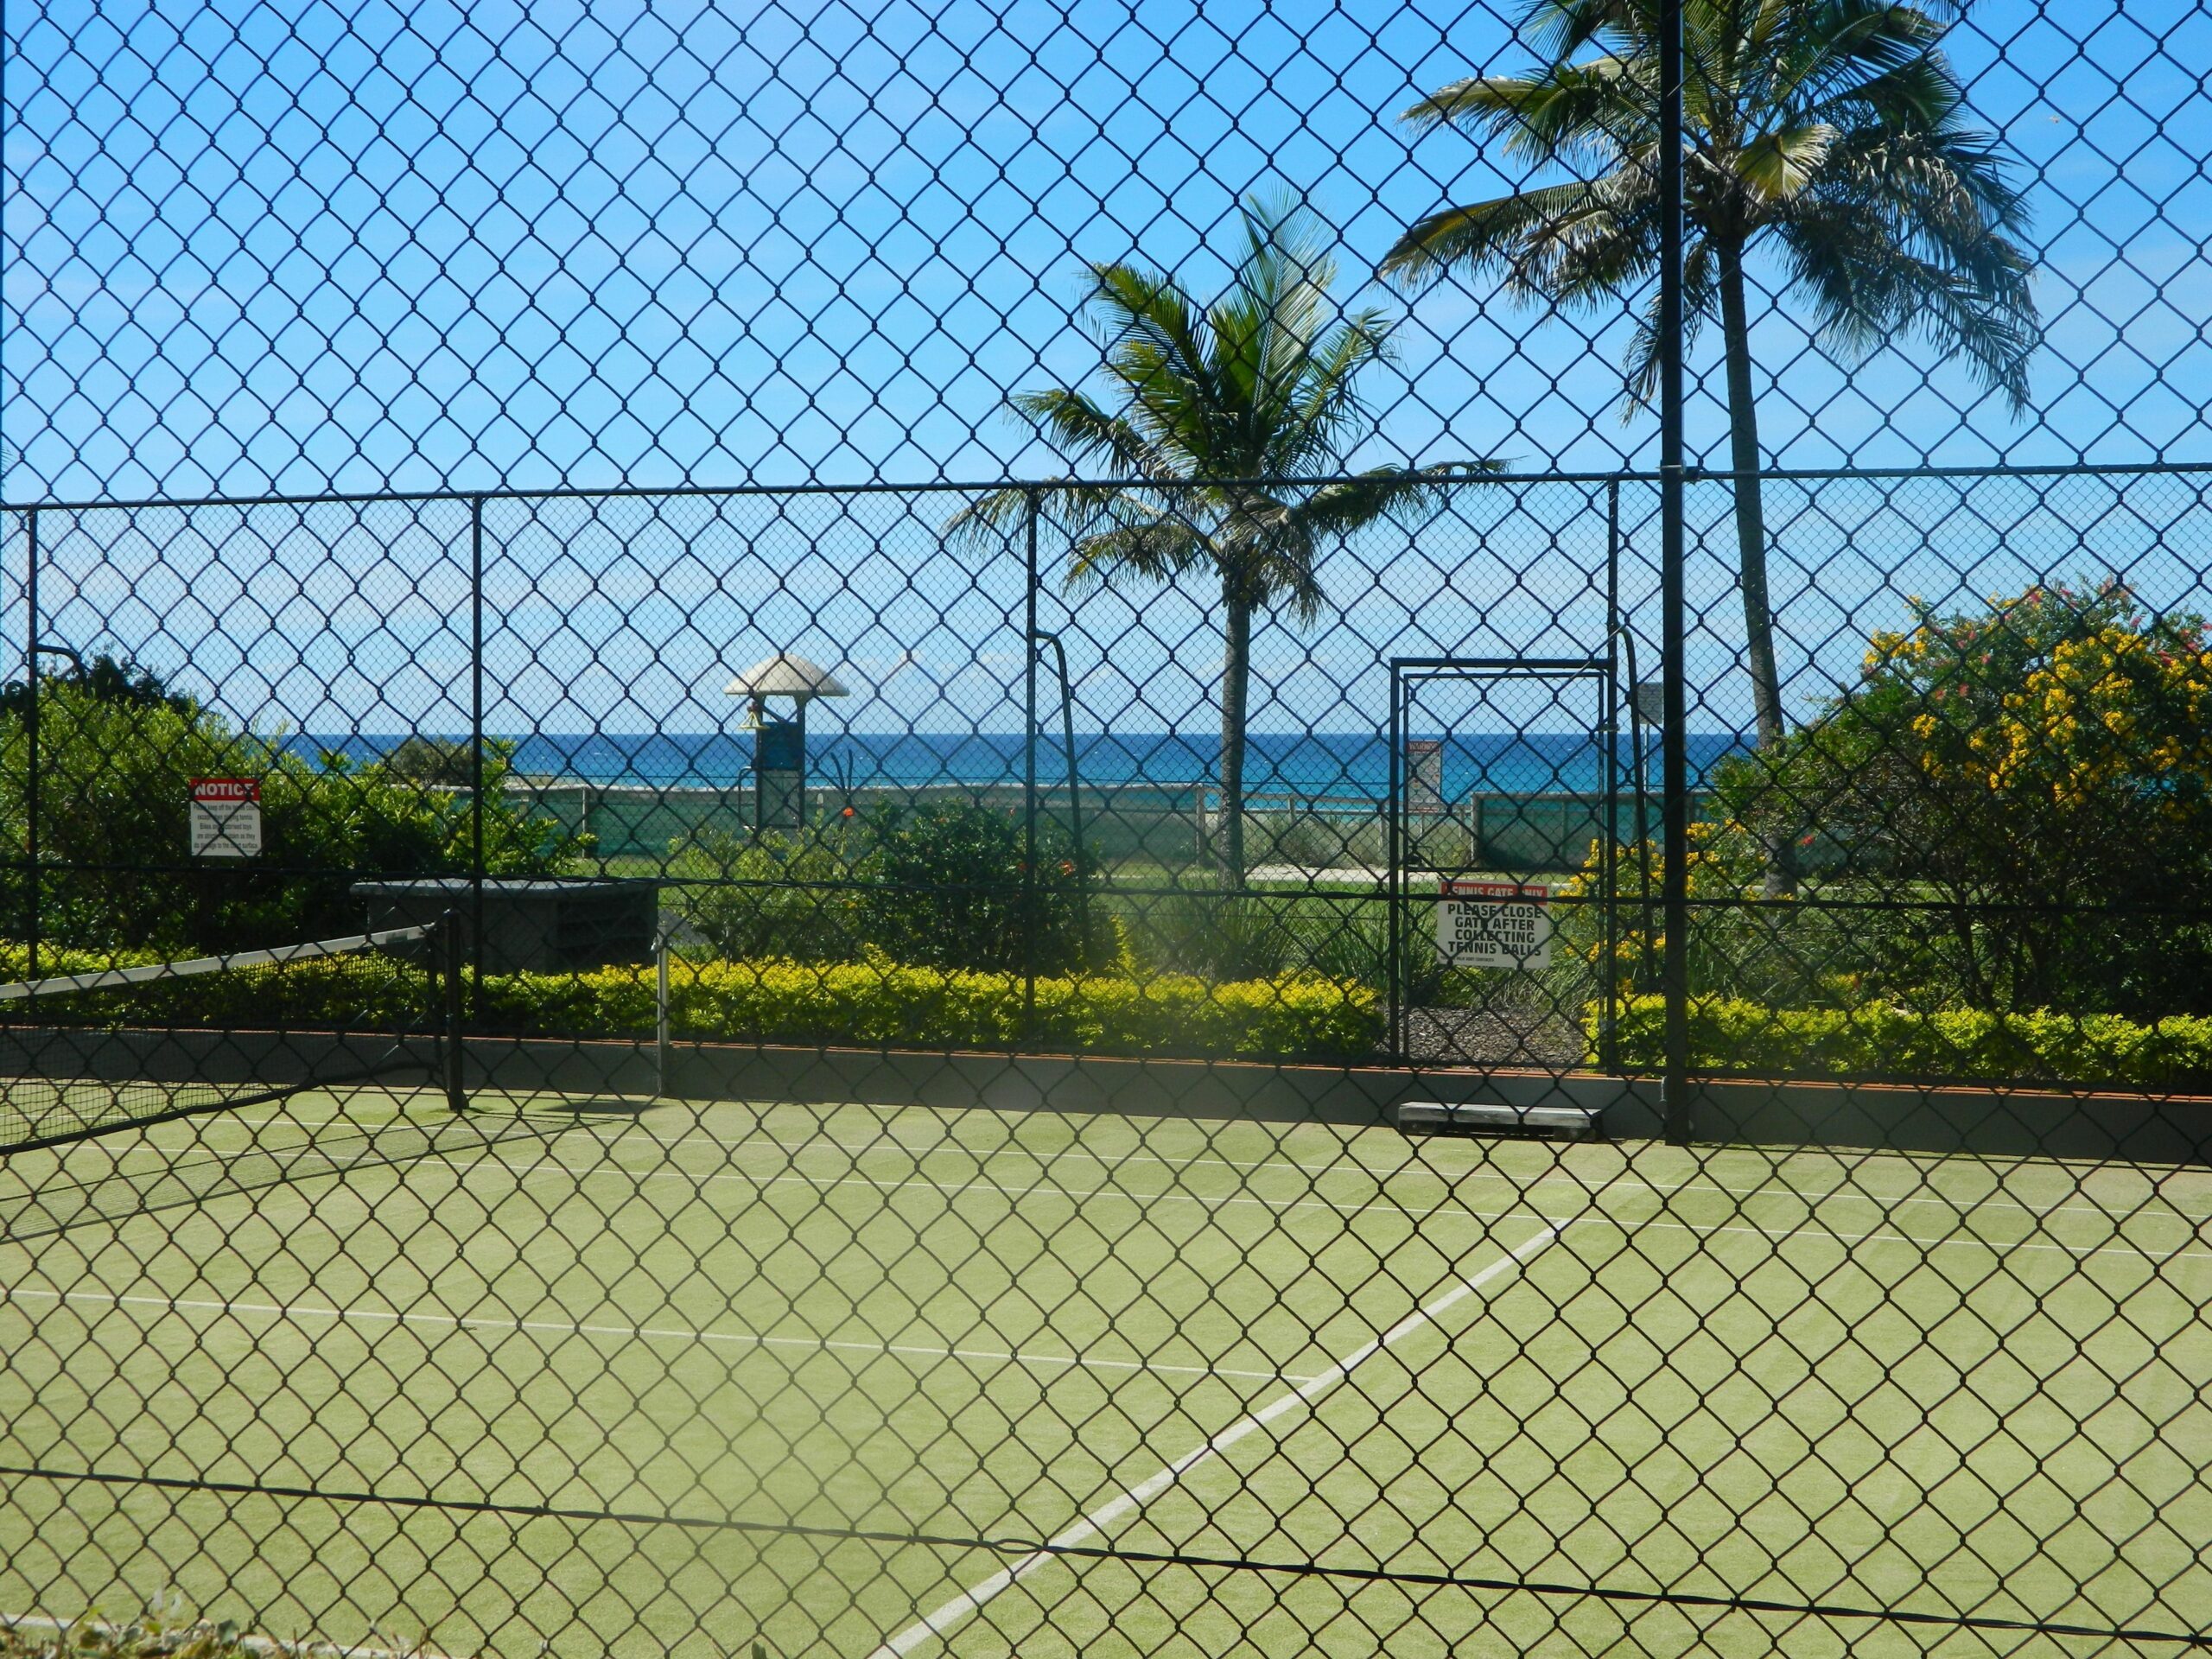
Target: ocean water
[1349,764]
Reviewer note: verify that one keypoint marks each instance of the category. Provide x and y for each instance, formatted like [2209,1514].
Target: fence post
[1609,1045]
[1675,760]
[1395,891]
[31,874]
[1029,774]
[476,742]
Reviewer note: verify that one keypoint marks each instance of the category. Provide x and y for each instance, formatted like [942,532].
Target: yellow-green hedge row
[1298,1016]
[1291,1016]
[2084,1050]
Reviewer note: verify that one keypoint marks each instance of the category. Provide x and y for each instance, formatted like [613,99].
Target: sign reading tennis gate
[1493,924]
[226,817]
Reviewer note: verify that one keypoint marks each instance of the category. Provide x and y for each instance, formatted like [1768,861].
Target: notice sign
[1493,924]
[226,817]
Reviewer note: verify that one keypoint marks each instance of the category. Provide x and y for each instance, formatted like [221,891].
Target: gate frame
[1407,675]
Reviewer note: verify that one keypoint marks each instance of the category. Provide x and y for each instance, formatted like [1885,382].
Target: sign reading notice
[226,817]
[1493,924]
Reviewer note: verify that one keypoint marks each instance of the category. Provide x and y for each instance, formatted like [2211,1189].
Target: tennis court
[689,1374]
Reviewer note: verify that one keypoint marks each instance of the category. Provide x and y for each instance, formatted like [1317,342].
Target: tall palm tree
[1832,130]
[1211,419]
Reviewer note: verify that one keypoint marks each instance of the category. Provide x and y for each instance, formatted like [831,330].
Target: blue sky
[255,247]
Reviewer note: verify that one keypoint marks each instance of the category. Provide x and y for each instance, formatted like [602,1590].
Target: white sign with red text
[226,817]
[1493,924]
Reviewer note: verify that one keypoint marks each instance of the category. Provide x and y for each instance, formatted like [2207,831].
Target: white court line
[1082,1195]
[941,1619]
[1379,1173]
[1077,1194]
[555,1327]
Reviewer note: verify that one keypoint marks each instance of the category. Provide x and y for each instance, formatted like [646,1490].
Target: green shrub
[946,884]
[2038,771]
[771,895]
[940,886]
[1730,1034]
[115,768]
[363,990]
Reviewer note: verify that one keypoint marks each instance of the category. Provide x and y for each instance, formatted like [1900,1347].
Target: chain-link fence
[673,988]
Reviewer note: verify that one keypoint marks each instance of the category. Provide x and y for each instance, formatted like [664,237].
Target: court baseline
[666,1333]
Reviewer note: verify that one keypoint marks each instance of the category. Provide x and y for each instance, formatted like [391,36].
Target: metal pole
[476,744]
[1075,788]
[1393,898]
[660,1012]
[449,954]
[1675,758]
[30,749]
[1029,784]
[1638,782]
[1609,818]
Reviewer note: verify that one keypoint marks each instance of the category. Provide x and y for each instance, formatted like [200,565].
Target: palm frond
[1323,403]
[989,518]
[1779,165]
[1701,299]
[1410,494]
[1569,112]
[1157,543]
[1264,329]
[1084,432]
[1154,342]
[1523,235]
[1811,54]
[1973,300]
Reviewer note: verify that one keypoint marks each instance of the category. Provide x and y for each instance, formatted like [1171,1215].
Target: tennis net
[87,1053]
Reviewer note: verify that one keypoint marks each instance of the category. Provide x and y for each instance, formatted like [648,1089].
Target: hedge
[1879,1041]
[1296,1016]
[1290,1016]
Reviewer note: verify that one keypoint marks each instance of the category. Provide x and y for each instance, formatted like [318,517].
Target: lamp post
[779,740]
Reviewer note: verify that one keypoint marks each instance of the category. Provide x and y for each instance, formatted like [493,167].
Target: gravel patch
[1498,1035]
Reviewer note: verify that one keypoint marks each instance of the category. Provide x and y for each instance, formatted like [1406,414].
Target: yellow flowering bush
[2033,779]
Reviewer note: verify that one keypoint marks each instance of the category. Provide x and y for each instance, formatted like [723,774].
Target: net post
[660,1011]
[449,1036]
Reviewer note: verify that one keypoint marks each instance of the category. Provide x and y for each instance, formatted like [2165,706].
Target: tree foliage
[943,884]
[2040,768]
[113,793]
[1212,414]
[1832,133]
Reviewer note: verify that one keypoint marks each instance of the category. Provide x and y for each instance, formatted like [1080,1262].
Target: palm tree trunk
[1750,552]
[1236,679]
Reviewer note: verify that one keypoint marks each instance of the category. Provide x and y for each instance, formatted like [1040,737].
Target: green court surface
[1953,1387]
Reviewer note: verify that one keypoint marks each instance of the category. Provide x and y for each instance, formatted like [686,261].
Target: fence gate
[1505,821]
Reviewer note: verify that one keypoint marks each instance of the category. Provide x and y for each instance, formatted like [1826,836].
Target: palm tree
[1213,416]
[1832,129]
